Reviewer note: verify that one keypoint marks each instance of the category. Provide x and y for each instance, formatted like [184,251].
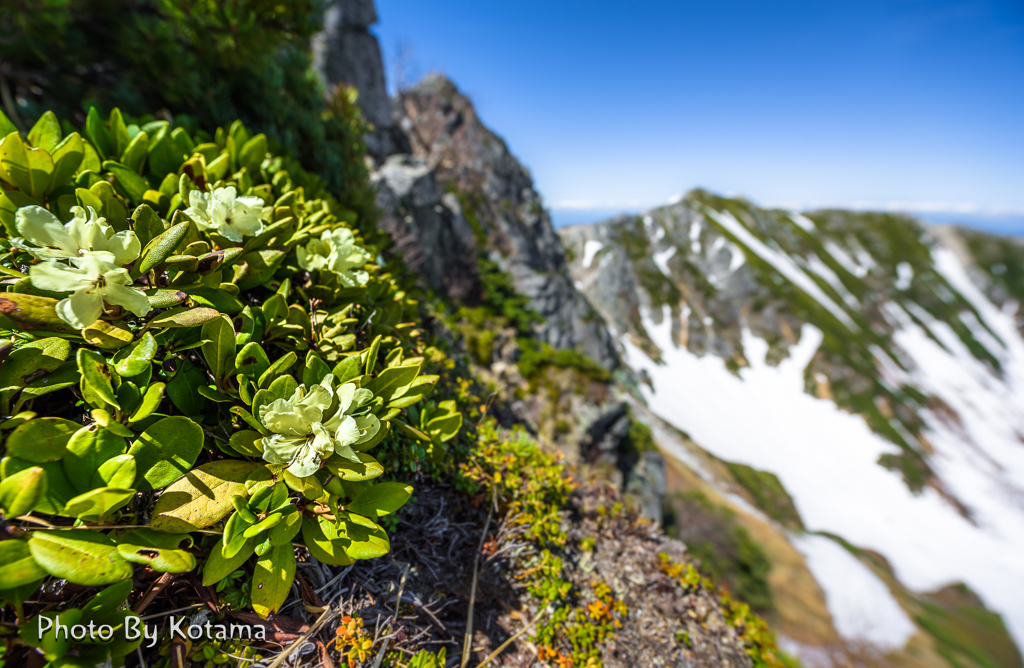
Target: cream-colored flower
[224,213]
[303,436]
[338,252]
[85,233]
[93,281]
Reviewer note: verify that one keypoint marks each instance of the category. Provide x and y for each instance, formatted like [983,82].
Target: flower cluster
[223,213]
[303,436]
[84,257]
[336,251]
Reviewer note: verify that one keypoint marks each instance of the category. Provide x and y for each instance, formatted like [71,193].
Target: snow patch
[904,276]
[590,249]
[782,263]
[803,222]
[661,259]
[827,458]
[862,607]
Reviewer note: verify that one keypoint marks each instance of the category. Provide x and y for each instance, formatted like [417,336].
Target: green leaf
[46,134]
[118,471]
[366,468]
[97,504]
[385,429]
[135,155]
[41,440]
[268,522]
[202,496]
[252,361]
[366,539]
[96,132]
[381,499]
[371,355]
[130,183]
[147,224]
[157,550]
[107,336]
[220,300]
[96,374]
[246,442]
[27,312]
[250,419]
[53,645]
[252,153]
[21,493]
[283,387]
[347,369]
[393,382]
[30,169]
[166,451]
[113,208]
[19,568]
[184,317]
[234,530]
[444,427]
[218,566]
[67,158]
[58,489]
[314,370]
[418,391]
[10,202]
[79,556]
[183,390]
[108,600]
[6,127]
[280,366]
[219,351]
[272,579]
[327,549]
[160,248]
[119,136]
[88,448]
[261,267]
[285,531]
[136,358]
[150,402]
[164,155]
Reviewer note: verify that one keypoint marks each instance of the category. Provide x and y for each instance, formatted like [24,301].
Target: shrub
[200,357]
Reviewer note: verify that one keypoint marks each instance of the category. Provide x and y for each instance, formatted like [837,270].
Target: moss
[768,493]
[536,356]
[967,634]
[725,549]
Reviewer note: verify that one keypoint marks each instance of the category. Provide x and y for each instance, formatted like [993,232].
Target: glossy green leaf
[19,568]
[418,390]
[80,556]
[132,185]
[166,451]
[218,566]
[21,493]
[118,471]
[160,248]
[202,496]
[149,403]
[280,366]
[367,468]
[326,549]
[314,370]
[392,383]
[119,136]
[41,440]
[247,442]
[58,489]
[46,133]
[268,522]
[97,375]
[286,530]
[381,499]
[98,504]
[67,158]
[347,369]
[272,579]
[136,358]
[252,361]
[251,155]
[371,354]
[135,155]
[147,224]
[87,449]
[28,312]
[219,350]
[366,539]
[96,132]
[184,317]
[157,550]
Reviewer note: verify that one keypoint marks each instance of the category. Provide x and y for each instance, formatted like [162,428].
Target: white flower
[227,215]
[302,434]
[84,234]
[338,252]
[92,279]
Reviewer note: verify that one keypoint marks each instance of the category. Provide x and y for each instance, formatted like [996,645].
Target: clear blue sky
[910,104]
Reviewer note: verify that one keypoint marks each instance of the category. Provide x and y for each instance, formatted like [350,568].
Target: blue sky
[616,106]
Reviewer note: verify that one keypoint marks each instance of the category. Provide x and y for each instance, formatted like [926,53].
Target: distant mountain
[850,386]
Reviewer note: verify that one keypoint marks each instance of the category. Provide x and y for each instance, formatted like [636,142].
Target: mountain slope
[865,360]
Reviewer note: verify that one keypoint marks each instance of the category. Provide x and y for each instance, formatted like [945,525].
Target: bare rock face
[346,52]
[504,209]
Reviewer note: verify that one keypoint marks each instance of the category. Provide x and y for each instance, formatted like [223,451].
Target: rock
[443,129]
[346,52]
[427,226]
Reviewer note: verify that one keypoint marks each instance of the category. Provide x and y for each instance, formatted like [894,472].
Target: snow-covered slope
[875,368]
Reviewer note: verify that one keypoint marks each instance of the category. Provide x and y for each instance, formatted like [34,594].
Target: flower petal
[124,246]
[306,463]
[41,227]
[347,433]
[81,309]
[130,298]
[279,449]
[58,277]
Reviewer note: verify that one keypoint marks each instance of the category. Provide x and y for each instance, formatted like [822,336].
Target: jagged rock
[346,52]
[427,225]
[500,202]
